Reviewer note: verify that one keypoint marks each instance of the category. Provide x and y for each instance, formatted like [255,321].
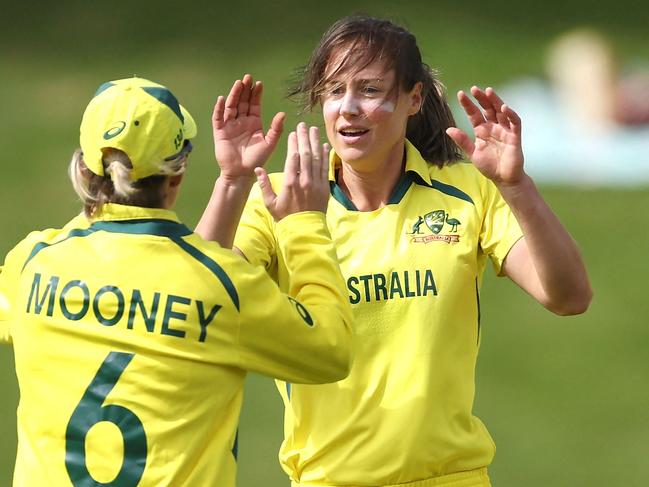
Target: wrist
[513,189]
[236,181]
[523,197]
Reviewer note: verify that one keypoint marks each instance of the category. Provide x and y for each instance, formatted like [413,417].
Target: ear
[415,98]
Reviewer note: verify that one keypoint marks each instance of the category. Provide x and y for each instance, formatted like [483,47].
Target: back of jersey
[124,335]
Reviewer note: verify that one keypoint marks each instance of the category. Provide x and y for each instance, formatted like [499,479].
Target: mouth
[351,134]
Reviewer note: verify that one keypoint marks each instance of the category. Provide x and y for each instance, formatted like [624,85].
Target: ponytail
[116,185]
[426,129]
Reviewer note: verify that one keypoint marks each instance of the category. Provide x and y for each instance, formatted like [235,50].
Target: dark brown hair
[368,39]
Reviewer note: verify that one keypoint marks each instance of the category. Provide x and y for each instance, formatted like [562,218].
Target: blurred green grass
[566,399]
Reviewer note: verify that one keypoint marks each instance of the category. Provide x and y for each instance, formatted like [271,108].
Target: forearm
[223,211]
[317,283]
[553,271]
[306,338]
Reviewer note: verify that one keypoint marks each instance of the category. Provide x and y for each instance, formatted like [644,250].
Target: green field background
[566,399]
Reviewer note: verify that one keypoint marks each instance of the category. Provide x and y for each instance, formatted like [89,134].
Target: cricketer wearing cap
[412,277]
[132,335]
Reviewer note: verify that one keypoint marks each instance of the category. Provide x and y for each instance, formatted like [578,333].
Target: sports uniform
[132,337]
[413,270]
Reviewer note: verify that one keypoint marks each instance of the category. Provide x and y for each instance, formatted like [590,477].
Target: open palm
[496,150]
[240,144]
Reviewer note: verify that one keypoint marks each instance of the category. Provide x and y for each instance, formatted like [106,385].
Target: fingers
[232,101]
[238,101]
[513,118]
[217,114]
[266,187]
[255,99]
[305,186]
[244,100]
[324,170]
[304,141]
[505,115]
[494,110]
[490,111]
[320,157]
[306,158]
[461,139]
[275,130]
[472,111]
[496,104]
[292,164]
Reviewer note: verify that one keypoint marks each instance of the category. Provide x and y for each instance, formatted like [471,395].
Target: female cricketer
[414,227]
[132,335]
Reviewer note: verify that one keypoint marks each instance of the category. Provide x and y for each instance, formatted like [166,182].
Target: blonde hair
[116,185]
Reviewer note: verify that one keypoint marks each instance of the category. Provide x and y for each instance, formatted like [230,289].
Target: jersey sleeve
[500,230]
[255,234]
[304,337]
[9,279]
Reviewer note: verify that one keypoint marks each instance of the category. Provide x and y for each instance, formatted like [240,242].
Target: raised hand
[240,144]
[497,150]
[306,176]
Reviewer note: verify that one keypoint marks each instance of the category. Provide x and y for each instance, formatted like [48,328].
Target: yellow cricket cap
[139,117]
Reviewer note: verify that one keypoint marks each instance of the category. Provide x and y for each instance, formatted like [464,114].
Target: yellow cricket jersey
[132,338]
[413,270]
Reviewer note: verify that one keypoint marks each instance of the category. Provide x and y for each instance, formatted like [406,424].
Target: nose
[350,104]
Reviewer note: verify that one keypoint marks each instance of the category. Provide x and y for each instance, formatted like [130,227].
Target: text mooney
[109,305]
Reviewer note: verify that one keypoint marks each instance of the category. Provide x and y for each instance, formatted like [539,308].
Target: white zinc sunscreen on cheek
[385,105]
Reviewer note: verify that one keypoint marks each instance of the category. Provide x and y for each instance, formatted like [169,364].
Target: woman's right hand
[240,144]
[306,176]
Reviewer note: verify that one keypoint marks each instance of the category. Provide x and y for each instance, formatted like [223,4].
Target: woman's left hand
[497,150]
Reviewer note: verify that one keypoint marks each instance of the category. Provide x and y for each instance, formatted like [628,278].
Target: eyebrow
[338,81]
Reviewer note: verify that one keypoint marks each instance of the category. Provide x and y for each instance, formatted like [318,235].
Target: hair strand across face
[354,43]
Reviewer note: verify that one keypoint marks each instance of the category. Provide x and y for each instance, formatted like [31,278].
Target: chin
[351,154]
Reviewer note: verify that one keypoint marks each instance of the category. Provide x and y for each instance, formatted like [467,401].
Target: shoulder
[460,171]
[212,249]
[52,235]
[463,178]
[21,252]
[215,257]
[229,267]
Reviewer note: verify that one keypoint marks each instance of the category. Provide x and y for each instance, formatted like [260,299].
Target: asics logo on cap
[115,130]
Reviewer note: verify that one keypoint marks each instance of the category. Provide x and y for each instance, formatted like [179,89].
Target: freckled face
[365,117]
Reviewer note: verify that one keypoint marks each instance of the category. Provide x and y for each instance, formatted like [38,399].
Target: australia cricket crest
[435,220]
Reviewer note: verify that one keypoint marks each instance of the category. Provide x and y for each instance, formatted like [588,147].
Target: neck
[369,184]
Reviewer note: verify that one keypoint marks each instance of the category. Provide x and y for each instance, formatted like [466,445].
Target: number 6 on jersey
[89,412]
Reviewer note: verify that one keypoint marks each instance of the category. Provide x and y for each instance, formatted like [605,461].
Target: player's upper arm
[519,268]
[304,337]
